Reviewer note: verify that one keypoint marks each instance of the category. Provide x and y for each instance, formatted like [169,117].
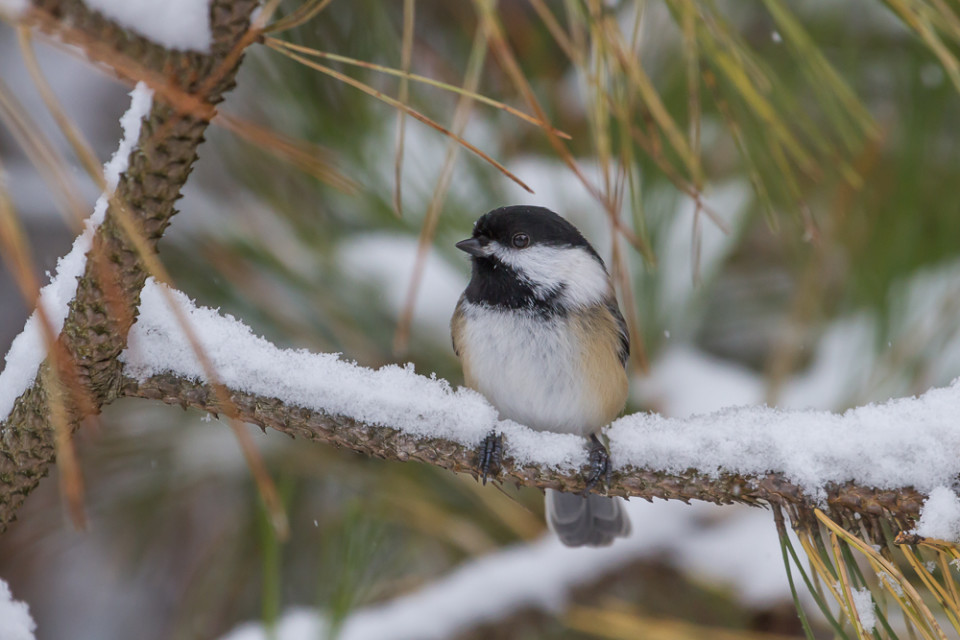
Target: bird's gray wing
[456,325]
[623,332]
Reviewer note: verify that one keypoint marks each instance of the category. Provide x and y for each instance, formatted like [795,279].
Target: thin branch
[392,444]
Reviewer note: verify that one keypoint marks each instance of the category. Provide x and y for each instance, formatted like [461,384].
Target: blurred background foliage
[785,174]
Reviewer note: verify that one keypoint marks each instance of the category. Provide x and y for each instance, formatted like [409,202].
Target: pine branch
[845,501]
[108,294]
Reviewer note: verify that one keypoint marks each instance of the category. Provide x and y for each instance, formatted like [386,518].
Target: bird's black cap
[540,224]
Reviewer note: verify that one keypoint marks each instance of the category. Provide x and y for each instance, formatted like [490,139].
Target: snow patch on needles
[29,348]
[940,516]
[887,580]
[15,620]
[175,24]
[863,603]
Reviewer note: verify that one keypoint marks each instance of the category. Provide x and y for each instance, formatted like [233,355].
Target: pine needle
[16,253]
[508,60]
[309,158]
[43,155]
[405,75]
[406,55]
[398,105]
[429,228]
[303,14]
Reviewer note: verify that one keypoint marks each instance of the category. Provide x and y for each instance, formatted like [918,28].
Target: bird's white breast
[530,368]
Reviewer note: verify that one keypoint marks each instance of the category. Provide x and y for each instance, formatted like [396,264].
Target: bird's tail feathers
[591,520]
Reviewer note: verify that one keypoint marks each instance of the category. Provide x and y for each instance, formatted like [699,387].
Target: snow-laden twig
[875,460]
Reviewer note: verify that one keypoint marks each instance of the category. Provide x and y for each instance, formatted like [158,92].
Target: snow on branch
[28,350]
[99,282]
[876,460]
[173,24]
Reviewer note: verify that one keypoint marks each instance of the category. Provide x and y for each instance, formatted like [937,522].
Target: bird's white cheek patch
[572,270]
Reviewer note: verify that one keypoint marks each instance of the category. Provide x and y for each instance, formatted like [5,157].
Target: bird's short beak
[473,246]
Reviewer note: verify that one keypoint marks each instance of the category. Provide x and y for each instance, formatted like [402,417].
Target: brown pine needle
[429,228]
[423,79]
[88,159]
[44,155]
[304,13]
[406,56]
[265,485]
[309,158]
[642,82]
[398,105]
[16,252]
[504,54]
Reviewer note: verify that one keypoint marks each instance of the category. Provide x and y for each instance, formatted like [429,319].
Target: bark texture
[108,293]
[846,501]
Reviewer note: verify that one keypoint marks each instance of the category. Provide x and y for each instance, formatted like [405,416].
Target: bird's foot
[600,469]
[489,455]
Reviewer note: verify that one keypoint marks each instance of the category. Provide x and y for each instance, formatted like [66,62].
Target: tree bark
[108,293]
[846,501]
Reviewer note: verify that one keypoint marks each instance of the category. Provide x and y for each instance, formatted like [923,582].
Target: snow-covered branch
[877,460]
[96,298]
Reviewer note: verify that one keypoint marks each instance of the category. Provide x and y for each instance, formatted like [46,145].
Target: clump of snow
[863,603]
[903,442]
[15,620]
[940,516]
[888,580]
[174,24]
[29,349]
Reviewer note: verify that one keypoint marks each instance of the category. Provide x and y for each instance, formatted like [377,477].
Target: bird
[538,332]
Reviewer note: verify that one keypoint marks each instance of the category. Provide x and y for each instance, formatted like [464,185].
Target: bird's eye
[520,240]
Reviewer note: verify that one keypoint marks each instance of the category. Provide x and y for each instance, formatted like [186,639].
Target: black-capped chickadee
[539,334]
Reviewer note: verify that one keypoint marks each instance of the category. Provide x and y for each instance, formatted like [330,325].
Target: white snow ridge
[29,349]
[899,443]
[15,620]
